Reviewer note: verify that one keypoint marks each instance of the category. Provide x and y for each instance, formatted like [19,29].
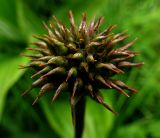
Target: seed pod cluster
[80,59]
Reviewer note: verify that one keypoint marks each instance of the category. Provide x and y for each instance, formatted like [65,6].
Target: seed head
[81,60]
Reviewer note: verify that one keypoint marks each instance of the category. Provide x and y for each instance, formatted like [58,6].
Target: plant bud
[81,60]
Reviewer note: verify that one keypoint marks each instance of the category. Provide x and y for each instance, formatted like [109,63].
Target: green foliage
[138,116]
[9,75]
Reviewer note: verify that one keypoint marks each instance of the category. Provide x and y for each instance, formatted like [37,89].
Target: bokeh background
[139,116]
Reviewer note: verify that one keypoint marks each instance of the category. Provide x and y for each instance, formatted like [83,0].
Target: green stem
[79,117]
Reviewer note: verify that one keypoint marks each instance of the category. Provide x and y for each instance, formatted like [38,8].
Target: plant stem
[79,117]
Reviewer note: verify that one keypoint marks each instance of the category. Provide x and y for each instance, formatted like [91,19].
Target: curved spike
[46,87]
[123,85]
[118,88]
[34,84]
[119,39]
[56,34]
[129,64]
[72,103]
[60,48]
[32,64]
[61,87]
[44,58]
[41,38]
[71,18]
[100,37]
[100,100]
[32,55]
[51,25]
[54,71]
[102,80]
[108,30]
[94,44]
[35,101]
[90,90]
[57,22]
[36,63]
[35,49]
[109,66]
[82,26]
[127,45]
[66,34]
[91,27]
[45,51]
[48,29]
[123,53]
[38,82]
[27,91]
[119,34]
[71,72]
[60,26]
[40,44]
[42,91]
[72,22]
[98,23]
[75,88]
[122,58]
[23,66]
[41,71]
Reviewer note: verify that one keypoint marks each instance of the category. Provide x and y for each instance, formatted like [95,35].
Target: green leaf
[131,131]
[59,117]
[28,22]
[153,128]
[8,11]
[9,74]
[98,120]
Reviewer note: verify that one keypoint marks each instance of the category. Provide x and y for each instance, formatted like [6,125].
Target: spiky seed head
[81,60]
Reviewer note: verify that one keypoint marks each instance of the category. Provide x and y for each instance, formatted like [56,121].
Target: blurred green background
[139,116]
